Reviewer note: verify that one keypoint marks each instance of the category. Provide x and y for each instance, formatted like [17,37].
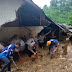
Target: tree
[70,19]
[59,11]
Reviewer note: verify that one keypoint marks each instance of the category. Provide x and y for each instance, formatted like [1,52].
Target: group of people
[18,45]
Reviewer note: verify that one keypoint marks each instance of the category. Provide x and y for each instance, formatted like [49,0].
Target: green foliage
[70,19]
[59,11]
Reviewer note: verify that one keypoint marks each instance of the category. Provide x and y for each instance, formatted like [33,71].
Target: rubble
[45,64]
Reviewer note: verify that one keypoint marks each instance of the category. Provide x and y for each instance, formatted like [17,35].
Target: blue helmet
[36,42]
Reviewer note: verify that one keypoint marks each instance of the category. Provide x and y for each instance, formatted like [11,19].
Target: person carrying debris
[5,55]
[51,43]
[32,50]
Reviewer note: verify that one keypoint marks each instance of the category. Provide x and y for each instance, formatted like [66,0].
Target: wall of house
[7,32]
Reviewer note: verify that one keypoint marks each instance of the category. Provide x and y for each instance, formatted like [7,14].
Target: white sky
[7,10]
[41,3]
[8,7]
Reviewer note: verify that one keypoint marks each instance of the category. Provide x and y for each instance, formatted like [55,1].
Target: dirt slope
[60,63]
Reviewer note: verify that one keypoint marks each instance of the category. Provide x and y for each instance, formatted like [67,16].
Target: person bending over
[5,55]
[32,50]
[51,43]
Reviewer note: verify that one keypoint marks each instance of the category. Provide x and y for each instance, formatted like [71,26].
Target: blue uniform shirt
[6,52]
[53,41]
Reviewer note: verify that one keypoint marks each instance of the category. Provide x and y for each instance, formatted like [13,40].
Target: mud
[60,62]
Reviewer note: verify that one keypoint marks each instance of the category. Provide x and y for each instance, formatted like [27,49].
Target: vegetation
[60,11]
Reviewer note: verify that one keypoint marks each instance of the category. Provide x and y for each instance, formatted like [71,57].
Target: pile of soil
[60,63]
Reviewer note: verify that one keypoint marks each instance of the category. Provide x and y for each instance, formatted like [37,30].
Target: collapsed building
[31,19]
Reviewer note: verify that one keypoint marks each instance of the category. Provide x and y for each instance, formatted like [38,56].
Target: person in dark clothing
[32,50]
[5,55]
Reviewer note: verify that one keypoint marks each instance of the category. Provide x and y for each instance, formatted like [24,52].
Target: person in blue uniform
[51,43]
[5,55]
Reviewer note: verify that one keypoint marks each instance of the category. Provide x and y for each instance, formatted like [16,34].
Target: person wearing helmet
[51,43]
[32,50]
[5,55]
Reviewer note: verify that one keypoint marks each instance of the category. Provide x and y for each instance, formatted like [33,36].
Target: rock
[60,56]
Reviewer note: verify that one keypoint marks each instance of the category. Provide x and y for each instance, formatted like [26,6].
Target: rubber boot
[37,56]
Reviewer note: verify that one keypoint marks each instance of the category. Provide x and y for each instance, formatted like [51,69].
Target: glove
[35,53]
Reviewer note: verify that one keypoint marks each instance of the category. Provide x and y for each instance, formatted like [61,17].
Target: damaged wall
[7,32]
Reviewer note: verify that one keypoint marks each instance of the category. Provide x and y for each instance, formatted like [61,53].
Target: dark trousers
[26,48]
[30,53]
[16,56]
[1,63]
[41,45]
[7,64]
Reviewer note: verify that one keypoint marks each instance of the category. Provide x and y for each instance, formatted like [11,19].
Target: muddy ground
[60,63]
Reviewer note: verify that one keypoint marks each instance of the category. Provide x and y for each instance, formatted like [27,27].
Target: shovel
[20,57]
[17,69]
